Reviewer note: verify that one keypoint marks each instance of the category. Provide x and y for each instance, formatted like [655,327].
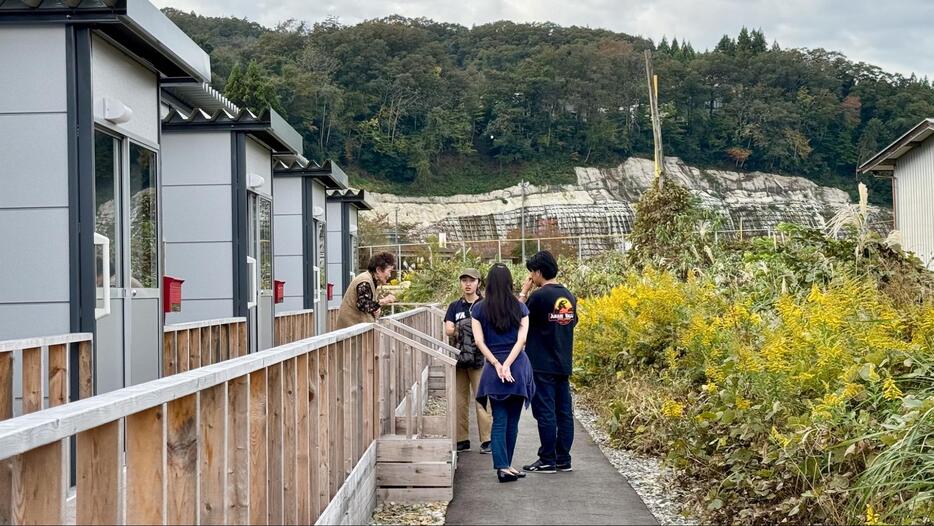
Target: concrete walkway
[594,493]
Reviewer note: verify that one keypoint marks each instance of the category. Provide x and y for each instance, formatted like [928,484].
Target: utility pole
[522,219]
[398,248]
[652,80]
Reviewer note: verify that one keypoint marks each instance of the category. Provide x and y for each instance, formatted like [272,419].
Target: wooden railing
[44,375]
[284,436]
[332,319]
[45,363]
[191,345]
[294,326]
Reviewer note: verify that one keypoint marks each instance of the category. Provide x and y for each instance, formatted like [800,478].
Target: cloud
[893,35]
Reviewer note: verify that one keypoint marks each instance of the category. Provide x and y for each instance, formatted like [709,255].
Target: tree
[413,105]
[252,89]
[744,42]
[726,45]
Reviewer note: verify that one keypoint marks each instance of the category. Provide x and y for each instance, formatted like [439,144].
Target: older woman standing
[500,326]
[360,303]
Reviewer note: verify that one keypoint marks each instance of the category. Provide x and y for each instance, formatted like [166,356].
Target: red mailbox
[278,290]
[171,294]
[330,291]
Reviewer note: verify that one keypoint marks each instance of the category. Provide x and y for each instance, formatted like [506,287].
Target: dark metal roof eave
[329,174]
[885,160]
[137,24]
[351,196]
[264,128]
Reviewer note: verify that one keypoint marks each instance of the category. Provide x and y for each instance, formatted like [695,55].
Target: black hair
[543,262]
[501,307]
[381,261]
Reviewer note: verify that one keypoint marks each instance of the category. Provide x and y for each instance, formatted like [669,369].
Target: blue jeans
[506,415]
[552,409]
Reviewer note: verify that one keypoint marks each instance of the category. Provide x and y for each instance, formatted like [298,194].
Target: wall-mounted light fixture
[116,111]
[255,180]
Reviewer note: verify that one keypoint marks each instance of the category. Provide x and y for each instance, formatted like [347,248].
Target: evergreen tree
[744,42]
[252,89]
[757,42]
[726,45]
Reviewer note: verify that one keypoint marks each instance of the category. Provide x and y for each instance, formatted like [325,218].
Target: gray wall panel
[34,157]
[205,267]
[117,76]
[197,213]
[34,255]
[289,269]
[287,232]
[290,304]
[259,162]
[32,62]
[198,310]
[33,320]
[288,195]
[319,196]
[265,313]
[196,158]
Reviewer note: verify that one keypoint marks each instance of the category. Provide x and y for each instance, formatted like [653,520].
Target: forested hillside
[424,107]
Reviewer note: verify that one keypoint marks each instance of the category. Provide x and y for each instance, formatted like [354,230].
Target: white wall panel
[115,75]
[33,69]
[914,196]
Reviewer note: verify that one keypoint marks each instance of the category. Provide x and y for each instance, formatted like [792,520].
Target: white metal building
[909,162]
[80,159]
[301,232]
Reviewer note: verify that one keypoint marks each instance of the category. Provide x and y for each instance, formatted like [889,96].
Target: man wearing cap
[457,325]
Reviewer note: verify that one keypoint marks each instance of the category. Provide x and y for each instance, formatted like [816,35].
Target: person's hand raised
[388,299]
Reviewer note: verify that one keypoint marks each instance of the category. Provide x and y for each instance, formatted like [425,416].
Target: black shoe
[520,474]
[505,476]
[564,467]
[485,447]
[540,467]
[463,445]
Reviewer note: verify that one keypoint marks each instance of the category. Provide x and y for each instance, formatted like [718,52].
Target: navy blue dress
[500,344]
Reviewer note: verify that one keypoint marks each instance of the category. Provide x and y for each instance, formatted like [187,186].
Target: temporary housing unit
[909,162]
[218,199]
[343,207]
[301,232]
[80,153]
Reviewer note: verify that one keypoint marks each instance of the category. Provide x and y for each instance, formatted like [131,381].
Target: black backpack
[470,356]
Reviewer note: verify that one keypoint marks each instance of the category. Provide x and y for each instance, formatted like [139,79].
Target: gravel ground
[436,406]
[430,514]
[652,480]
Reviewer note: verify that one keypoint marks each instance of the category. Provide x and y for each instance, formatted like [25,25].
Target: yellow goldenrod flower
[742,404]
[872,518]
[672,409]
[851,389]
[779,438]
[890,390]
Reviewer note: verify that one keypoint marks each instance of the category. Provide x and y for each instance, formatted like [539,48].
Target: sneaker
[463,445]
[485,447]
[539,467]
[564,467]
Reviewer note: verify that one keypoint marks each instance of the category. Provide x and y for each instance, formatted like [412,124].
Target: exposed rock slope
[602,203]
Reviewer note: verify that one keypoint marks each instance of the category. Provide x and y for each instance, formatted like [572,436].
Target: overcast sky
[897,35]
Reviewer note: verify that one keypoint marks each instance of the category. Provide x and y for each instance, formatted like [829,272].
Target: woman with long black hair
[500,326]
